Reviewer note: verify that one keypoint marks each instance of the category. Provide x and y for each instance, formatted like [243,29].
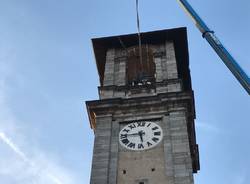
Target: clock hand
[141,133]
[141,137]
[133,134]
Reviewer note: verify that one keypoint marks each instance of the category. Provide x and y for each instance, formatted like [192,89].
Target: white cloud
[16,165]
[13,146]
[29,165]
[209,127]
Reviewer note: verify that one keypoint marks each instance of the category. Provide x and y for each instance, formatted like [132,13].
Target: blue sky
[47,72]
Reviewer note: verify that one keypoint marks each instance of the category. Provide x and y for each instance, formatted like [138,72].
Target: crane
[218,47]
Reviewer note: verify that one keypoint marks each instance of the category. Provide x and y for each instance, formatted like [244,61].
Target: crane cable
[139,32]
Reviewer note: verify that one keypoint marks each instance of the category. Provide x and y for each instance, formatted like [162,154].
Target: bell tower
[144,120]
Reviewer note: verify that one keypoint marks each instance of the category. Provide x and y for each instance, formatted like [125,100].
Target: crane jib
[215,43]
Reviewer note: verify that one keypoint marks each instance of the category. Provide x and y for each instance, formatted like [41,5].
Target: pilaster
[109,68]
[101,155]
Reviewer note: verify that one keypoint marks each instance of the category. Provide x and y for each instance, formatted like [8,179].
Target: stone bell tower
[144,119]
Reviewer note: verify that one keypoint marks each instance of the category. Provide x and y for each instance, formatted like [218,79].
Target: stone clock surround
[179,164]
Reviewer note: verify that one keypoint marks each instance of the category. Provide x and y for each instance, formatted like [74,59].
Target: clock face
[140,135]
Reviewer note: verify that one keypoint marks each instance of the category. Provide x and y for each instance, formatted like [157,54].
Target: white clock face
[140,135]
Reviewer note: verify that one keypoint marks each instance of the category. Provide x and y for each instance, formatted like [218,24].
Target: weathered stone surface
[168,100]
[158,68]
[109,68]
[172,72]
[101,154]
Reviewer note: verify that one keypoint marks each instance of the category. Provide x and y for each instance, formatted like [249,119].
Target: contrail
[7,141]
[13,147]
[54,179]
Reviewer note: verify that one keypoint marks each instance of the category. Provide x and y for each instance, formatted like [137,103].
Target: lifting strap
[139,32]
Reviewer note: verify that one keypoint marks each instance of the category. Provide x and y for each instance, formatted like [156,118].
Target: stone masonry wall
[171,66]
[109,68]
[177,161]
[101,154]
[165,65]
[177,152]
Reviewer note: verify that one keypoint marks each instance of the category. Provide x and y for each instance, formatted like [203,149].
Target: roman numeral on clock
[125,130]
[141,124]
[155,128]
[125,141]
[123,136]
[155,139]
[140,146]
[131,145]
[132,126]
[149,144]
[157,133]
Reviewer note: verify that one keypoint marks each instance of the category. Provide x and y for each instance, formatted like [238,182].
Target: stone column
[183,172]
[164,67]
[158,68]
[113,165]
[109,68]
[169,165]
[120,71]
[101,154]
[171,61]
